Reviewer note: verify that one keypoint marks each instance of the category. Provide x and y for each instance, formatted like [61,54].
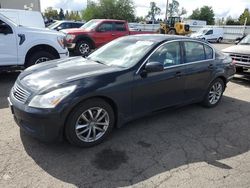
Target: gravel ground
[186,147]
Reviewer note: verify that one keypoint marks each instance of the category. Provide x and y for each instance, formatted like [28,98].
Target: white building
[21,4]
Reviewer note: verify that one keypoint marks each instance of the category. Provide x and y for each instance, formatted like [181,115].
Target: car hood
[74,31]
[37,31]
[238,49]
[53,73]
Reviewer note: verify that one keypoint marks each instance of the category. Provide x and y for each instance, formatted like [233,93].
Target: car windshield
[90,24]
[124,52]
[54,25]
[245,41]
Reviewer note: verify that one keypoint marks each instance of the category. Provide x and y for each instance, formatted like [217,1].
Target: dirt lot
[187,147]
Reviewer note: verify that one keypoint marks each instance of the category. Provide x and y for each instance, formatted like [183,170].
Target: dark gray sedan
[83,99]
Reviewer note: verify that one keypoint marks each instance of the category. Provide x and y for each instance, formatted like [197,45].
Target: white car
[25,46]
[214,34]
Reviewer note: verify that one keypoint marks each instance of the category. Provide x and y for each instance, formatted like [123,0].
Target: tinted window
[76,25]
[120,26]
[105,27]
[168,54]
[64,26]
[210,32]
[194,51]
[209,52]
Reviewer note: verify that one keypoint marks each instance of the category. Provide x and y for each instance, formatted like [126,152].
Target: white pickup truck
[22,46]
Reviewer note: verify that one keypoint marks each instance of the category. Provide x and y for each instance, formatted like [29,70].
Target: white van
[24,17]
[210,34]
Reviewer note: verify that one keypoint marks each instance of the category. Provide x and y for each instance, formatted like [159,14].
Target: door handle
[113,34]
[211,66]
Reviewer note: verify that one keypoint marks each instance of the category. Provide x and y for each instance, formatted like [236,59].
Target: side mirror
[154,66]
[5,29]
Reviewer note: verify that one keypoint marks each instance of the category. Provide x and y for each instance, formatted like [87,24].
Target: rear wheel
[90,123]
[214,93]
[219,40]
[39,57]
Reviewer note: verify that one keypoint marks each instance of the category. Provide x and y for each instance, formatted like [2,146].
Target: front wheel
[83,48]
[214,93]
[90,123]
[39,57]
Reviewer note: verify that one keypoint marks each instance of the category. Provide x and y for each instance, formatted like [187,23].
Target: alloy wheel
[84,48]
[92,124]
[215,93]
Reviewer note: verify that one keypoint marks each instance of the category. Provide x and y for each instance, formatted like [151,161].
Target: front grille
[20,94]
[240,58]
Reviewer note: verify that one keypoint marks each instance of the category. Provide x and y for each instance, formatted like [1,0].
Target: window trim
[183,54]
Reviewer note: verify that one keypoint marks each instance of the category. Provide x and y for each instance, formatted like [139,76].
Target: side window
[5,28]
[168,54]
[194,52]
[208,52]
[120,26]
[105,27]
[210,32]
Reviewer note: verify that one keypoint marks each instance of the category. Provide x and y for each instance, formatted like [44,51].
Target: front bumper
[64,55]
[242,64]
[39,123]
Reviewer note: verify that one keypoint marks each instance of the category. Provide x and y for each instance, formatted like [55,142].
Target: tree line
[125,10]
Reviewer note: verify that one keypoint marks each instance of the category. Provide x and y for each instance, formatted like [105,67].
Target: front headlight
[70,37]
[61,41]
[51,99]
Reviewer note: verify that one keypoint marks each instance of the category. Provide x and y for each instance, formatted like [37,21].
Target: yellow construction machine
[174,26]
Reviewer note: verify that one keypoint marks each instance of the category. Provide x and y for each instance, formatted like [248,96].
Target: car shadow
[242,79]
[150,146]
[7,80]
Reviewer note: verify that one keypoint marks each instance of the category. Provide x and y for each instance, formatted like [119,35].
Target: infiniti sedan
[83,99]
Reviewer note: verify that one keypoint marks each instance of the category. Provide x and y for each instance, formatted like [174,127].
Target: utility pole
[166,16]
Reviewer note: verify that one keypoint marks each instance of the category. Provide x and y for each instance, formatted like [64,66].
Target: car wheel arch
[87,39]
[40,47]
[110,101]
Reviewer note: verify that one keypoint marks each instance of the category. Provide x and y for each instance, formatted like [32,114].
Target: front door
[158,90]
[8,44]
[105,33]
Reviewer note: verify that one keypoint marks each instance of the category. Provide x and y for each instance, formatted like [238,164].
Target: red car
[96,33]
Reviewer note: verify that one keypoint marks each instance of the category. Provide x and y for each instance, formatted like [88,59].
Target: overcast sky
[222,8]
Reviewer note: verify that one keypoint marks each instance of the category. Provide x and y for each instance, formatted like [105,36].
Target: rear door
[120,29]
[104,33]
[8,44]
[199,66]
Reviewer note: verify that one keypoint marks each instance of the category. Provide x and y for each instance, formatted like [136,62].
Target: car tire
[219,40]
[214,93]
[172,32]
[83,48]
[39,57]
[81,126]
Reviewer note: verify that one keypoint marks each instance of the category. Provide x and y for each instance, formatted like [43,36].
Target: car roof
[159,37]
[109,20]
